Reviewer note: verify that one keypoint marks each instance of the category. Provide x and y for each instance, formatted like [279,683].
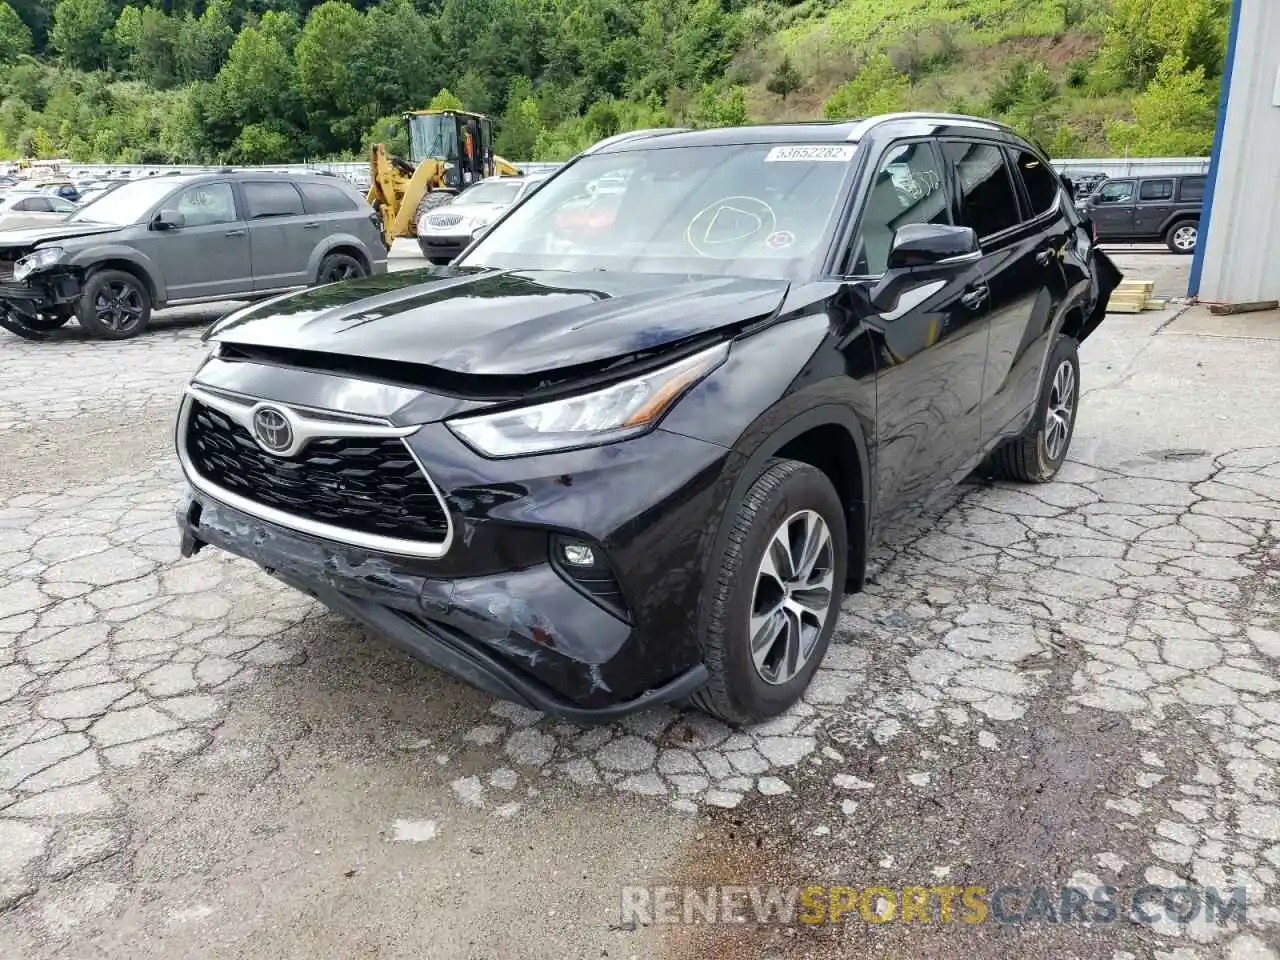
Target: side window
[1115,191]
[908,188]
[58,205]
[272,198]
[323,198]
[1043,187]
[206,204]
[987,199]
[32,205]
[1191,190]
[1156,190]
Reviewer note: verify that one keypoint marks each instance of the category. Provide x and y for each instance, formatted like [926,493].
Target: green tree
[521,123]
[785,79]
[445,100]
[876,88]
[204,42]
[328,71]
[15,36]
[714,107]
[79,31]
[1174,116]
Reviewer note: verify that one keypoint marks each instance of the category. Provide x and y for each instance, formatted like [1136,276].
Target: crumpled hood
[33,236]
[501,323]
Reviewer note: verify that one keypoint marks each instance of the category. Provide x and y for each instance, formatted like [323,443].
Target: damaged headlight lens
[44,257]
[614,413]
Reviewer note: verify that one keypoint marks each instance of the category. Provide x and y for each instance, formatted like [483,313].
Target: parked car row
[170,240]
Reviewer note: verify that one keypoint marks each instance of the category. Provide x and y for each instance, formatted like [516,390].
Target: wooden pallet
[1134,296]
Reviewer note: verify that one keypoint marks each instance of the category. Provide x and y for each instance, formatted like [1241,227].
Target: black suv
[1141,209]
[635,442]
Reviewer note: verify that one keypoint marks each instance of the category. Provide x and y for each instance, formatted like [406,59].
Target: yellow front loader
[448,151]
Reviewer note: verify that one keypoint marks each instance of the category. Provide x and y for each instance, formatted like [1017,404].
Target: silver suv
[163,241]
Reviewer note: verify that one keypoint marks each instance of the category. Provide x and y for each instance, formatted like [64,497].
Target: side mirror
[916,248]
[924,244]
[168,220]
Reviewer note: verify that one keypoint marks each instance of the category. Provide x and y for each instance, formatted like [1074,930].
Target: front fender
[90,257]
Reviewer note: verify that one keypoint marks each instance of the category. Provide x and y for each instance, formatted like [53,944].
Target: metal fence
[358,171]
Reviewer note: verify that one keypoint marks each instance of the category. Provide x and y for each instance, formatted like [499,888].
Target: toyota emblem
[272,430]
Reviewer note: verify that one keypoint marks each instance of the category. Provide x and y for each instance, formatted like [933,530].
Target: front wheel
[1183,237]
[775,594]
[114,305]
[1038,454]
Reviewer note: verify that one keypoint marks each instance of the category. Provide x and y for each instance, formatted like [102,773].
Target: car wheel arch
[341,243]
[830,438]
[117,260]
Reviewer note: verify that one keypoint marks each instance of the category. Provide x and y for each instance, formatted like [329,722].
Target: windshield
[760,210]
[127,203]
[504,193]
[434,136]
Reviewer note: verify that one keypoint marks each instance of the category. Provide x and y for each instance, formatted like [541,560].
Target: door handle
[235,233]
[975,296]
[312,225]
[1045,257]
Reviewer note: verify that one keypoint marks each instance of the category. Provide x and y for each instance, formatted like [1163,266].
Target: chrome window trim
[241,410]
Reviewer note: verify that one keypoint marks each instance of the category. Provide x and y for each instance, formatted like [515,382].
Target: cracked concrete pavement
[1069,683]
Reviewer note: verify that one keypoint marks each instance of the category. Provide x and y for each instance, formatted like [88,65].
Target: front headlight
[39,260]
[622,410]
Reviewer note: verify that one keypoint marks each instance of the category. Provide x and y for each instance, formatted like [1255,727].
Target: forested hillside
[251,81]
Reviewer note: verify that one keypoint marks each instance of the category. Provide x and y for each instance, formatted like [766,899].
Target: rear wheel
[337,267]
[1183,237]
[775,594]
[114,305]
[1037,455]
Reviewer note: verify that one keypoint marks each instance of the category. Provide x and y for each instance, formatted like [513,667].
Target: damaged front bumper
[519,634]
[24,304]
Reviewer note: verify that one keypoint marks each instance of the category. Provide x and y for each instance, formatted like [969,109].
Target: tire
[787,495]
[1037,455]
[114,305]
[1183,237]
[430,200]
[337,267]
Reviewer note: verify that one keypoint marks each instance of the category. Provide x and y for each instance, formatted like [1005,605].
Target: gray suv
[1141,209]
[163,241]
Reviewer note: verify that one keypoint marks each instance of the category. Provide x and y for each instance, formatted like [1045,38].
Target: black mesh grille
[365,484]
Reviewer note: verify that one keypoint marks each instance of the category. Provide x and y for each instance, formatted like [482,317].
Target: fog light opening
[577,554]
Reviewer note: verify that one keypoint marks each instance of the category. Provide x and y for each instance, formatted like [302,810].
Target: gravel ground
[1072,684]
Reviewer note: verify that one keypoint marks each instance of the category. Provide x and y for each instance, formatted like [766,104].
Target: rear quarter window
[326,198]
[1042,183]
[1191,190]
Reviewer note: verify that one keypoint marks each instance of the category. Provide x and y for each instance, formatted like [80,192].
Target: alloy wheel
[792,597]
[118,306]
[1184,238]
[1061,411]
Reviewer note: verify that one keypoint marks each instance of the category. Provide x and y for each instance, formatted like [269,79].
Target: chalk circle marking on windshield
[730,220]
[781,239]
[828,153]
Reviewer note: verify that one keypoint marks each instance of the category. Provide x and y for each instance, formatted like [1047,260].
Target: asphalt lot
[1069,684]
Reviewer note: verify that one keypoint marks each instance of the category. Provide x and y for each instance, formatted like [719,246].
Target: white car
[445,231]
[25,209]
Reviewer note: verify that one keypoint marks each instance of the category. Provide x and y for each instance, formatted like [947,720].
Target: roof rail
[632,135]
[863,127]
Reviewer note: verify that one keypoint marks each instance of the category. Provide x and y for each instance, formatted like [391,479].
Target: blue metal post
[1197,263]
